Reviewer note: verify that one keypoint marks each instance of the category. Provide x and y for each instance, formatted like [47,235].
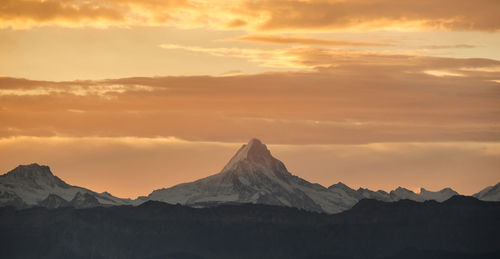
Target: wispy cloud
[455,46]
[280,58]
[279,39]
[102,90]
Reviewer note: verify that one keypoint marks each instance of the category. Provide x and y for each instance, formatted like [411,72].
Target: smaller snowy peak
[84,200]
[54,201]
[340,186]
[404,194]
[34,174]
[440,196]
[490,193]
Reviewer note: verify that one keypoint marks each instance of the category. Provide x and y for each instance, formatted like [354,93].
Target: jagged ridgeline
[252,175]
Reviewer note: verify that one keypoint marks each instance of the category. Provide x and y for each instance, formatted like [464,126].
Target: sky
[134,95]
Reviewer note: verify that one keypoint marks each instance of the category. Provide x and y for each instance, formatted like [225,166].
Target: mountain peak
[31,170]
[340,185]
[35,175]
[254,152]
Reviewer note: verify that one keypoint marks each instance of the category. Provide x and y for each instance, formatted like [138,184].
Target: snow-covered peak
[35,175]
[490,193]
[254,153]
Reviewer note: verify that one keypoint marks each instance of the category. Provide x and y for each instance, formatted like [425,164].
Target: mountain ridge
[36,185]
[252,175]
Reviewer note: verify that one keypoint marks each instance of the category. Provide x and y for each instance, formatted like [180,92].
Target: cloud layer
[344,99]
[265,15]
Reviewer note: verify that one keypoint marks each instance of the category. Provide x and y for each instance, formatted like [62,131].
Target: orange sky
[131,96]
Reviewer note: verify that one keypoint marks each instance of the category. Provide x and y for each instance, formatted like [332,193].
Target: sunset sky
[128,96]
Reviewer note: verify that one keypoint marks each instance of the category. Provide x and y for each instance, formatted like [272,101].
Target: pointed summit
[254,153]
[253,175]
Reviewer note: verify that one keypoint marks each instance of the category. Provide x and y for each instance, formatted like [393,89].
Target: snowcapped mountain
[31,185]
[395,195]
[253,175]
[490,193]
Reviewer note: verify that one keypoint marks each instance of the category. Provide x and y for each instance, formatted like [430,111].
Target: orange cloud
[383,14]
[236,23]
[26,13]
[456,46]
[318,15]
[278,39]
[357,98]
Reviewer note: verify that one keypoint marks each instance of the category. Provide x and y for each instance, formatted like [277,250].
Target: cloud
[375,15]
[456,46]
[308,58]
[344,98]
[442,73]
[278,58]
[236,23]
[278,39]
[260,15]
[27,13]
[82,89]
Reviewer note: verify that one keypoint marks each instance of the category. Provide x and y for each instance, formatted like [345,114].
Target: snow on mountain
[404,194]
[369,194]
[490,193]
[30,185]
[84,200]
[440,196]
[253,175]
[53,201]
[395,195]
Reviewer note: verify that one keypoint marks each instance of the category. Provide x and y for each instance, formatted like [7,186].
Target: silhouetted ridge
[371,230]
[461,199]
[154,204]
[366,204]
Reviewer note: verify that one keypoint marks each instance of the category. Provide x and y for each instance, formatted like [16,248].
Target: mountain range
[252,175]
